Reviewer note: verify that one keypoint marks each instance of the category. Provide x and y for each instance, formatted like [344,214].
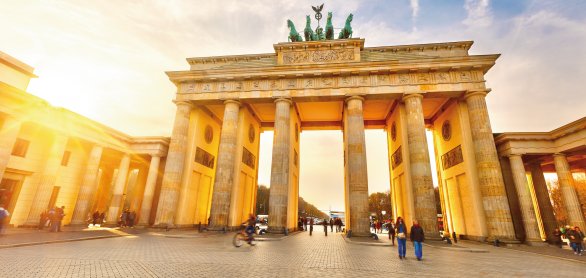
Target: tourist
[131,219]
[325,223]
[56,216]
[300,224]
[52,219]
[3,215]
[304,220]
[310,226]
[391,228]
[576,237]
[95,218]
[401,231]
[378,227]
[123,219]
[43,220]
[417,238]
[454,237]
[557,234]
[340,225]
[332,225]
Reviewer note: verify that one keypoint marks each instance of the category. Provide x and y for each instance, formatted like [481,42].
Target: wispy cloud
[479,14]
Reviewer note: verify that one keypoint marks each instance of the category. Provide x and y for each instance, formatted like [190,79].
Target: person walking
[417,237]
[325,223]
[60,214]
[3,216]
[304,220]
[43,220]
[401,231]
[392,233]
[310,225]
[332,225]
[95,218]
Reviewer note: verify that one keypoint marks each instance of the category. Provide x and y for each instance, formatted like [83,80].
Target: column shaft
[88,186]
[225,167]
[8,134]
[525,200]
[47,180]
[278,194]
[425,208]
[569,195]
[114,209]
[490,179]
[169,195]
[543,201]
[149,191]
[357,168]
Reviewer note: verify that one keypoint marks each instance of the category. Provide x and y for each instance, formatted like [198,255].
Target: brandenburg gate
[225,102]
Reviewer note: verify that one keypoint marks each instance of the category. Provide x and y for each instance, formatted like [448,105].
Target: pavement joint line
[548,256]
[55,241]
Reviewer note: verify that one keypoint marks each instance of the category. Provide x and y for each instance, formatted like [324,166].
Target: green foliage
[379,202]
[262,200]
[307,209]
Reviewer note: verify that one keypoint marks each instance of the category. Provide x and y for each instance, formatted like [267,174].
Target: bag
[401,235]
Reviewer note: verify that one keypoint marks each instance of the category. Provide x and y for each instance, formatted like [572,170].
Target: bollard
[374,236]
[286,232]
[496,242]
[349,234]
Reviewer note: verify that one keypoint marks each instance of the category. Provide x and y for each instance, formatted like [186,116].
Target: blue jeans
[577,247]
[402,246]
[418,249]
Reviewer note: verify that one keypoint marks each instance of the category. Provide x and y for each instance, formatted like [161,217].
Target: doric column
[357,170]
[225,167]
[47,180]
[278,194]
[8,135]
[569,195]
[525,200]
[490,179]
[114,209]
[88,186]
[543,201]
[419,163]
[149,191]
[174,166]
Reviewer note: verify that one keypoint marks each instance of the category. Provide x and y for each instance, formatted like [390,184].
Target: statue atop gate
[319,34]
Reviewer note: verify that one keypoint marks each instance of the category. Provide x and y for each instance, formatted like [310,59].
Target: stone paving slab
[18,237]
[146,255]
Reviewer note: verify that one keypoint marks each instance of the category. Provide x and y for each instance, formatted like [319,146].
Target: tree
[306,209]
[379,202]
[262,200]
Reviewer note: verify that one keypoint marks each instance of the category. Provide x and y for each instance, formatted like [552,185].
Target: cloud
[479,14]
[414,8]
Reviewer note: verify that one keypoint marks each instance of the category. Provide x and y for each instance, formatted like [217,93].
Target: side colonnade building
[50,156]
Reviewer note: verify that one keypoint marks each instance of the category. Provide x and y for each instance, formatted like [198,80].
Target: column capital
[411,95]
[355,97]
[237,102]
[559,154]
[282,99]
[183,102]
[515,155]
[481,92]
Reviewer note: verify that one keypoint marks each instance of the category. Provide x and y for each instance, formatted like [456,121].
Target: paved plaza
[190,254]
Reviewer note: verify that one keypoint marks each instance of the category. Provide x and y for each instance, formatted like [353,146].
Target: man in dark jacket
[417,237]
[576,237]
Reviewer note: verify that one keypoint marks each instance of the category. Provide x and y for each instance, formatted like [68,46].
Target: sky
[106,60]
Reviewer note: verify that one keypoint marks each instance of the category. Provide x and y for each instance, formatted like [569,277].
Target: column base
[536,242]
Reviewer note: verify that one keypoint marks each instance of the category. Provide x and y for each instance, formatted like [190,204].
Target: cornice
[425,64]
[553,135]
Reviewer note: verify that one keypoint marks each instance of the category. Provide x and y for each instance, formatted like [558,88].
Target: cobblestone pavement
[153,255]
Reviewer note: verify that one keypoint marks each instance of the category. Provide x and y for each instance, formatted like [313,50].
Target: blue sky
[106,60]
